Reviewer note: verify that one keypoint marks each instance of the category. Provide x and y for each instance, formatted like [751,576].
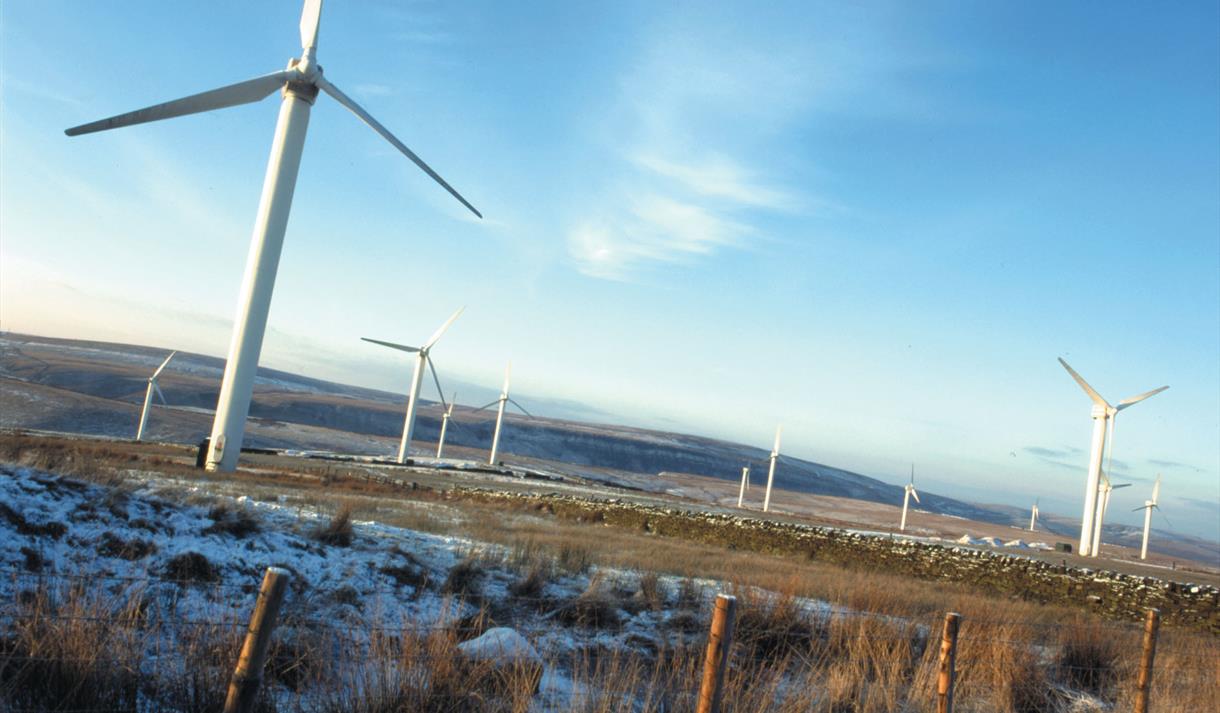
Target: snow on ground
[388,576]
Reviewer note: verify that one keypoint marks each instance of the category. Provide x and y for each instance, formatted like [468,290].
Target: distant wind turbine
[148,394]
[1102,413]
[1148,507]
[502,401]
[906,499]
[422,359]
[299,85]
[771,470]
[1033,516]
[745,484]
[440,442]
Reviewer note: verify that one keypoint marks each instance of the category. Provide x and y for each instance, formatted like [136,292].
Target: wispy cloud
[651,229]
[369,89]
[717,176]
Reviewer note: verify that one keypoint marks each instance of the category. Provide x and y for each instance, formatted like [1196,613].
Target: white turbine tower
[502,401]
[1148,507]
[771,470]
[1033,516]
[299,85]
[1102,413]
[148,394]
[906,499]
[1103,499]
[745,483]
[422,359]
[448,414]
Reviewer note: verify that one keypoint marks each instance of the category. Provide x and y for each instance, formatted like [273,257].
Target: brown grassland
[877,653]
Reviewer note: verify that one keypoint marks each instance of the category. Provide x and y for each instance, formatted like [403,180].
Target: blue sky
[877,223]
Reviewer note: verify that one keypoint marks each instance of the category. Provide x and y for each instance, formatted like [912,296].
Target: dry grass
[1014,656]
[338,530]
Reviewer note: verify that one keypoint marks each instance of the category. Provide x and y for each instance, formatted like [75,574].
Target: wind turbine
[1104,498]
[422,358]
[148,394]
[504,399]
[299,85]
[906,499]
[440,442]
[745,483]
[1033,516]
[1148,507]
[1102,413]
[771,470]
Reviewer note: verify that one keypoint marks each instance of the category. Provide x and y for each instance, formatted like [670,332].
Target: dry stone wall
[1110,594]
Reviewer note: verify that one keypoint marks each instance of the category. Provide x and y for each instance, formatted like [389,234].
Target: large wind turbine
[1102,412]
[299,85]
[148,394]
[502,401]
[448,414]
[771,470]
[906,499]
[1148,507]
[422,359]
[1033,516]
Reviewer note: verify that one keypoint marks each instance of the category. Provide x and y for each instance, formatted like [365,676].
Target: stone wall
[1110,594]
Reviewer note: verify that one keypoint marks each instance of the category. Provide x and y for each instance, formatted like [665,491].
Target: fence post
[244,685]
[948,655]
[1152,623]
[719,639]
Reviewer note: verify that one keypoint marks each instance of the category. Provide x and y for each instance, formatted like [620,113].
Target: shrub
[338,532]
[191,567]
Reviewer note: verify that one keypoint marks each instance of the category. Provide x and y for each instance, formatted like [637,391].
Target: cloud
[371,89]
[1043,452]
[1173,464]
[718,177]
[652,228]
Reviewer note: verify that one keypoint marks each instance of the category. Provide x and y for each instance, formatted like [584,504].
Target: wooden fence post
[244,685]
[719,639]
[1152,623]
[948,656]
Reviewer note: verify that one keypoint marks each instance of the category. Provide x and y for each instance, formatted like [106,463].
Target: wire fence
[77,642]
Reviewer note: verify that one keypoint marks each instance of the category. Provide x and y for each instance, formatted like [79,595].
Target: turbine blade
[1163,515]
[1097,399]
[915,495]
[392,345]
[508,372]
[246,92]
[1123,485]
[437,334]
[514,403]
[356,109]
[1156,488]
[437,380]
[311,16]
[163,365]
[1136,399]
[493,403]
[160,395]
[778,429]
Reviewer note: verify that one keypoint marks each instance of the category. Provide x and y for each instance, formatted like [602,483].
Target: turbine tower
[771,470]
[299,85]
[502,401]
[1033,516]
[1103,498]
[1148,507]
[1102,413]
[422,359]
[745,483]
[148,394]
[906,499]
[440,442]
